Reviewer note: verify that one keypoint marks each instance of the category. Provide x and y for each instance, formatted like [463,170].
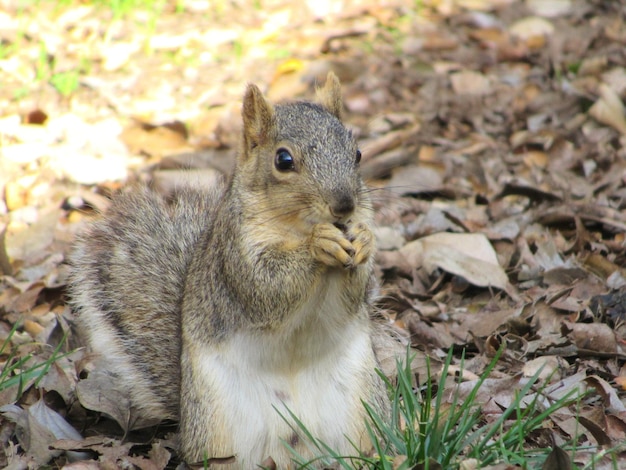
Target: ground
[492,132]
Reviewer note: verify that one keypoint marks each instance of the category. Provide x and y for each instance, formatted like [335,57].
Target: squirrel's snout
[342,207]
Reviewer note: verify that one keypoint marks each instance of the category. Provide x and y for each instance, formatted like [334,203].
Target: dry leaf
[549,8]
[609,109]
[468,82]
[470,113]
[39,427]
[531,27]
[558,459]
[98,393]
[596,337]
[414,179]
[113,453]
[29,242]
[469,255]
[613,402]
[547,367]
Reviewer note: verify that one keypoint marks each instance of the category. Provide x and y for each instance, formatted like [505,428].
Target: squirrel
[238,309]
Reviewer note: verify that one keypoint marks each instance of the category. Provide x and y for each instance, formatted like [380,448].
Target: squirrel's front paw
[362,240]
[330,246]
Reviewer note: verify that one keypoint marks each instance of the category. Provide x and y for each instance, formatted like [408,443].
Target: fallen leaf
[99,393]
[557,459]
[29,242]
[469,255]
[549,8]
[414,179]
[609,109]
[608,393]
[113,453]
[546,366]
[596,337]
[530,27]
[468,82]
[39,427]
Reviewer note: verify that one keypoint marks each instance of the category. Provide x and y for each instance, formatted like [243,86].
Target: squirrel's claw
[363,243]
[330,246]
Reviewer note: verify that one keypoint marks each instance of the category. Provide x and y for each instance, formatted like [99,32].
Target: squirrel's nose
[342,207]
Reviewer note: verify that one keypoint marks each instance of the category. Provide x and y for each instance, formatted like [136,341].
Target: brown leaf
[99,393]
[609,109]
[113,453]
[469,255]
[413,180]
[38,428]
[596,429]
[531,27]
[594,337]
[607,392]
[557,459]
[164,139]
[29,242]
[468,82]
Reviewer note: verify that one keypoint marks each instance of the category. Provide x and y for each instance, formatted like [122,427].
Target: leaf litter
[493,137]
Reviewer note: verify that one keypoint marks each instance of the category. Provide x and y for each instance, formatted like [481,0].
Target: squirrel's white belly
[325,398]
[256,378]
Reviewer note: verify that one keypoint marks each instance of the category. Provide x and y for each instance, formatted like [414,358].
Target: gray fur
[173,286]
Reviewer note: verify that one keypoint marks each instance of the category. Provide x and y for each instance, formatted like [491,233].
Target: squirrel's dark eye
[358,156]
[284,160]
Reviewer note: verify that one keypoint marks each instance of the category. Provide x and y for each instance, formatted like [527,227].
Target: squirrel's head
[300,159]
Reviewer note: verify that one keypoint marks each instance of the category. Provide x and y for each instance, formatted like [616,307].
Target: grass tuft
[19,372]
[433,427]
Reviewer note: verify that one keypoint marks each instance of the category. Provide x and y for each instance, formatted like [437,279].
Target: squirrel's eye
[358,156]
[284,160]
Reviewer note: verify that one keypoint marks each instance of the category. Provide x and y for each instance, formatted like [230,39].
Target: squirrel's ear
[258,118]
[330,95]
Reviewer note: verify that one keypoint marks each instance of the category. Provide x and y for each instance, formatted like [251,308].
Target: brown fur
[268,277]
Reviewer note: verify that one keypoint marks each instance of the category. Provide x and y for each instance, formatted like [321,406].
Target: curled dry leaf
[98,392]
[558,459]
[608,394]
[547,367]
[38,428]
[469,255]
[609,109]
[158,458]
[113,453]
[596,337]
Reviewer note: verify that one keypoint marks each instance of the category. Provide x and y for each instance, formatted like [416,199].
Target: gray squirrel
[233,309]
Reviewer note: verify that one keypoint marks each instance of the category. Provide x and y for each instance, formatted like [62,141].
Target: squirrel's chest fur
[318,371]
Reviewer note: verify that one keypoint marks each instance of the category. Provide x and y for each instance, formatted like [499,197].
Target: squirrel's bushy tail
[127,282]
